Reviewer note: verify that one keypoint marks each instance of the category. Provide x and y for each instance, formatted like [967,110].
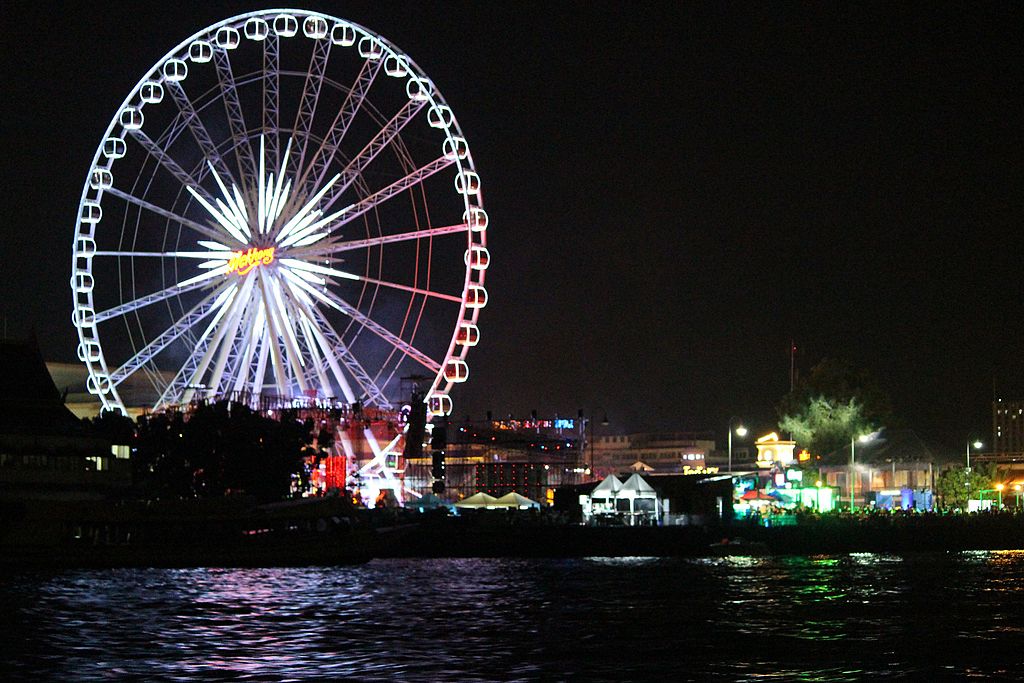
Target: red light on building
[334,472]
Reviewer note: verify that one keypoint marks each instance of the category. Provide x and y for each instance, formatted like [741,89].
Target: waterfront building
[894,469]
[1007,427]
[771,451]
[531,457]
[46,453]
[657,452]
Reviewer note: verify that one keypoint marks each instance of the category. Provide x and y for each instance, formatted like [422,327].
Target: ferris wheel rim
[101,376]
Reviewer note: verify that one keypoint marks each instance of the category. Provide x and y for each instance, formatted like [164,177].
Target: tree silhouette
[222,448]
[833,403]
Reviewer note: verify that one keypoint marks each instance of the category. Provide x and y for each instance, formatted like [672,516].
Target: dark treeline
[222,448]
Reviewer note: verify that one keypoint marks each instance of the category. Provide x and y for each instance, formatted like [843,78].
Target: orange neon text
[244,261]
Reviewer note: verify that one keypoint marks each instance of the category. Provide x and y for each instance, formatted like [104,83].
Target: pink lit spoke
[350,245]
[382,332]
[407,288]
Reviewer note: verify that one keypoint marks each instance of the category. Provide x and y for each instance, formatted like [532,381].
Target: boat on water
[739,547]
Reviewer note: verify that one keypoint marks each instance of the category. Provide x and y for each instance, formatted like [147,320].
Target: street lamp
[999,487]
[590,423]
[741,431]
[863,438]
[967,478]
[977,446]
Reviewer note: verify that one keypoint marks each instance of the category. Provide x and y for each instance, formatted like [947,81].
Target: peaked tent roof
[611,484]
[514,499]
[638,484]
[477,500]
[641,466]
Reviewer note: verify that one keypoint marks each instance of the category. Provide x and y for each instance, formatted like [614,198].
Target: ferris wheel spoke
[184,380]
[148,299]
[348,309]
[334,349]
[217,340]
[319,362]
[170,215]
[315,367]
[236,121]
[382,139]
[338,349]
[193,316]
[395,285]
[271,93]
[353,211]
[328,149]
[230,339]
[264,350]
[285,320]
[278,359]
[329,248]
[199,132]
[166,254]
[165,160]
[221,341]
[250,338]
[311,96]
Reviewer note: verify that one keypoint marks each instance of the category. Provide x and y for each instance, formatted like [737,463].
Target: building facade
[658,452]
[1007,427]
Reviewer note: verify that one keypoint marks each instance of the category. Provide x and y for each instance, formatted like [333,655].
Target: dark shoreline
[457,537]
[396,535]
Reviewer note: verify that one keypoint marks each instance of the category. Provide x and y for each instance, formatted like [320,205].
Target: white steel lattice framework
[285,206]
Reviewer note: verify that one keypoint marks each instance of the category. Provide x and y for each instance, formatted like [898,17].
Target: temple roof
[30,403]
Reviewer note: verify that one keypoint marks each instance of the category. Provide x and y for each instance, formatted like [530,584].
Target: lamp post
[967,479]
[999,488]
[977,446]
[590,424]
[1017,488]
[863,438]
[741,431]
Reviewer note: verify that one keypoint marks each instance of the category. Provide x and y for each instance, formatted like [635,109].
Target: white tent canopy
[607,488]
[637,487]
[516,500]
[635,500]
[478,500]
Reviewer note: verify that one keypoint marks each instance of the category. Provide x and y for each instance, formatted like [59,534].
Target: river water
[818,618]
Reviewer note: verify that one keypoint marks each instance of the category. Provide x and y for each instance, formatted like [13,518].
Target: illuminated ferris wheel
[283,206]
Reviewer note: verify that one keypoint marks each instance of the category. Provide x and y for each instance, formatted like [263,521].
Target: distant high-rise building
[1007,426]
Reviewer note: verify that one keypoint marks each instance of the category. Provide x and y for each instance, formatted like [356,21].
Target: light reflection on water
[849,617]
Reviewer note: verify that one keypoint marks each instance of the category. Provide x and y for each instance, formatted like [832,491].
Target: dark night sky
[675,191]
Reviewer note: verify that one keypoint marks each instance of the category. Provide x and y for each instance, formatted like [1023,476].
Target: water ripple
[835,618]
